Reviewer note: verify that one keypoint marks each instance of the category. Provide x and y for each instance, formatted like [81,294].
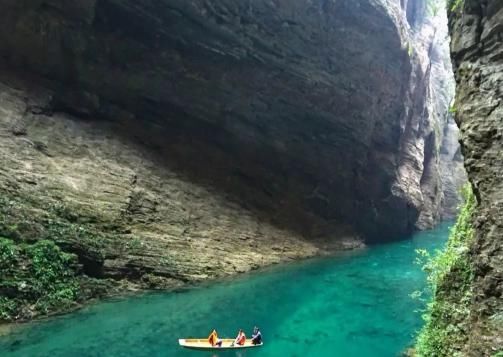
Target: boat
[203,344]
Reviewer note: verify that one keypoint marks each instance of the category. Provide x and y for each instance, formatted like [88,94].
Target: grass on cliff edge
[449,277]
[36,278]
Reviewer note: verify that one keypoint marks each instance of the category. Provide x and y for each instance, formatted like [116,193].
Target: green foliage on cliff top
[449,279]
[36,278]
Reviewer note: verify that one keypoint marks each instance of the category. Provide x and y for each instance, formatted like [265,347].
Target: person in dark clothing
[256,337]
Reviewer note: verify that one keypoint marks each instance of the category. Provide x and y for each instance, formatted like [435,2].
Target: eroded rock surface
[477,50]
[442,171]
[63,176]
[184,140]
[311,111]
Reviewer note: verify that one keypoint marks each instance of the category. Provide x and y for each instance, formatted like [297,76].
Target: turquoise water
[356,304]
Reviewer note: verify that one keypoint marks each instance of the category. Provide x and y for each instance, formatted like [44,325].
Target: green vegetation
[36,278]
[22,220]
[454,5]
[410,49]
[449,276]
[434,6]
[134,244]
[453,109]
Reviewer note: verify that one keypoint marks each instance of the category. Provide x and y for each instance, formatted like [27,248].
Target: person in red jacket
[240,339]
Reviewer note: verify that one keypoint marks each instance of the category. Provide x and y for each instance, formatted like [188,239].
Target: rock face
[452,170]
[477,51]
[117,205]
[291,106]
[442,169]
[173,132]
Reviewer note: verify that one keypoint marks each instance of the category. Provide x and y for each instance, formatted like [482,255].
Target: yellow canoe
[203,344]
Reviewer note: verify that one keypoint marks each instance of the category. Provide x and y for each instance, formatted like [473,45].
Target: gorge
[157,144]
[155,136]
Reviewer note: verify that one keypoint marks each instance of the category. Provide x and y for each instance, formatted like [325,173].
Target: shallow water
[356,304]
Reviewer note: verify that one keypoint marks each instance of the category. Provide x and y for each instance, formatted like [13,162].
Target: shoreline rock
[124,289]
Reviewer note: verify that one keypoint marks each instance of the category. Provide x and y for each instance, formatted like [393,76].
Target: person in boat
[256,337]
[214,340]
[240,339]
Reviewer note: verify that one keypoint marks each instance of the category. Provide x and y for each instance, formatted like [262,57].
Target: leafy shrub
[49,265]
[449,277]
[36,279]
[8,308]
[7,254]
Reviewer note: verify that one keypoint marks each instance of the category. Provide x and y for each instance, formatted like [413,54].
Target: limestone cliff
[476,28]
[172,141]
[442,172]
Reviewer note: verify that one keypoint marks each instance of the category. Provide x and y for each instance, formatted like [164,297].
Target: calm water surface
[356,304]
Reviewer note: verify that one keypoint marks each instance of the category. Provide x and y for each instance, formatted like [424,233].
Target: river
[354,304]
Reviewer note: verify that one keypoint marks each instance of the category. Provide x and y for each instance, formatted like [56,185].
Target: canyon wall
[477,52]
[442,172]
[170,141]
